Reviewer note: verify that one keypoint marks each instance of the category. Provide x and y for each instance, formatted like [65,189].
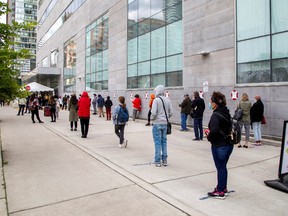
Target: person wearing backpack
[120,117]
[245,105]
[221,147]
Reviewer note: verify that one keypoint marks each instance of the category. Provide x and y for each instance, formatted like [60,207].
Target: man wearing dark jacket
[185,111]
[256,115]
[198,107]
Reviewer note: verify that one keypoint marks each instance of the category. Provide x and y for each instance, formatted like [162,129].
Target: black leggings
[53,114]
[84,126]
[75,124]
[119,131]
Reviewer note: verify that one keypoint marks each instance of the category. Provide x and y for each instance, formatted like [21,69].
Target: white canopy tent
[36,87]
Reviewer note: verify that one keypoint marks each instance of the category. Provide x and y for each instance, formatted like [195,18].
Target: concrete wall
[207,26]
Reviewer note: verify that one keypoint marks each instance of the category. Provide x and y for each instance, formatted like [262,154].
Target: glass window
[279,16]
[174,38]
[105,60]
[132,51]
[252,18]
[132,70]
[157,21]
[132,31]
[173,13]
[280,70]
[99,64]
[87,65]
[143,9]
[105,75]
[158,38]
[132,13]
[144,68]
[144,47]
[158,79]
[144,26]
[93,64]
[174,63]
[93,77]
[132,82]
[255,72]
[158,66]
[174,79]
[144,82]
[254,50]
[280,45]
[157,6]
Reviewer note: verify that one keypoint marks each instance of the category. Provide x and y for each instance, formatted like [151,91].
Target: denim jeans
[119,131]
[183,121]
[198,128]
[221,156]
[247,130]
[160,142]
[257,130]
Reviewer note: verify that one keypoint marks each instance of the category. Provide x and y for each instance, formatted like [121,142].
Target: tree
[9,87]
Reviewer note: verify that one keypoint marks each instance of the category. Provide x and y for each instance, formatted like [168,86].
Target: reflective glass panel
[144,68]
[280,70]
[93,64]
[132,82]
[144,47]
[105,75]
[132,70]
[158,41]
[143,9]
[173,13]
[144,26]
[174,38]
[256,72]
[99,64]
[158,79]
[105,59]
[174,63]
[157,6]
[132,51]
[254,50]
[158,66]
[253,18]
[174,79]
[144,82]
[157,21]
[280,45]
[279,15]
[132,13]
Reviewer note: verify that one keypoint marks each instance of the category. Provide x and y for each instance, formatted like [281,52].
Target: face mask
[210,105]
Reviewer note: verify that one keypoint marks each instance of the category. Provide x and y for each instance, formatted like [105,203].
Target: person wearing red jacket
[84,113]
[136,106]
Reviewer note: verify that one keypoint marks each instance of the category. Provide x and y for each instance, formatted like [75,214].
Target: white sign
[284,151]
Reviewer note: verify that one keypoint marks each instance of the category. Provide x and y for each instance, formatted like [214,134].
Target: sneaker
[126,143]
[226,192]
[216,194]
[157,165]
[120,145]
[75,129]
[164,163]
[148,124]
[71,129]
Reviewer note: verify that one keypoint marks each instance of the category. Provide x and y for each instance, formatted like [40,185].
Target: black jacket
[186,106]
[198,105]
[257,111]
[216,124]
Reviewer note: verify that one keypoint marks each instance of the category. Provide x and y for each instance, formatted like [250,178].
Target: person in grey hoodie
[159,130]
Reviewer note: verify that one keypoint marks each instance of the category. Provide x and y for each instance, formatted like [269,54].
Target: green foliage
[9,88]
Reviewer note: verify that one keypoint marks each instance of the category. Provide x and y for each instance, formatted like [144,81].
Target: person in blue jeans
[221,146]
[185,111]
[160,106]
[198,105]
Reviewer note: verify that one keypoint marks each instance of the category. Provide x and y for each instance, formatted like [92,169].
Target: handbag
[238,114]
[263,120]
[169,126]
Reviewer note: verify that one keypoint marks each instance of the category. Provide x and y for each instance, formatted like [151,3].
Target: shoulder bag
[169,126]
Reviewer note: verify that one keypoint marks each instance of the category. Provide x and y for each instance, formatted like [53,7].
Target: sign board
[201,94]
[27,87]
[234,95]
[283,165]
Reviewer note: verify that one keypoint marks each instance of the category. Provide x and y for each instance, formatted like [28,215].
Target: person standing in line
[185,111]
[221,147]
[136,107]
[256,114]
[245,105]
[152,97]
[108,104]
[118,125]
[57,105]
[94,104]
[198,105]
[64,100]
[73,115]
[52,105]
[100,105]
[84,104]
[21,103]
[160,106]
[27,104]
[34,107]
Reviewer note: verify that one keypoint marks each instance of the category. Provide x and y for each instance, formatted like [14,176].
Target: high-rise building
[127,47]
[21,11]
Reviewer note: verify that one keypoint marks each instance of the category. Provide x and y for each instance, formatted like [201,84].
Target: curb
[3,197]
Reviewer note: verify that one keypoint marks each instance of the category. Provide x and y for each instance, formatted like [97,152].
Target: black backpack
[123,115]
[234,134]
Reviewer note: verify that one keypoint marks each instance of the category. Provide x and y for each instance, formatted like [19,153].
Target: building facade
[127,47]
[22,11]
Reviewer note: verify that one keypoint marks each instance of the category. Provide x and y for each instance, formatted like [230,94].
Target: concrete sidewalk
[53,171]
